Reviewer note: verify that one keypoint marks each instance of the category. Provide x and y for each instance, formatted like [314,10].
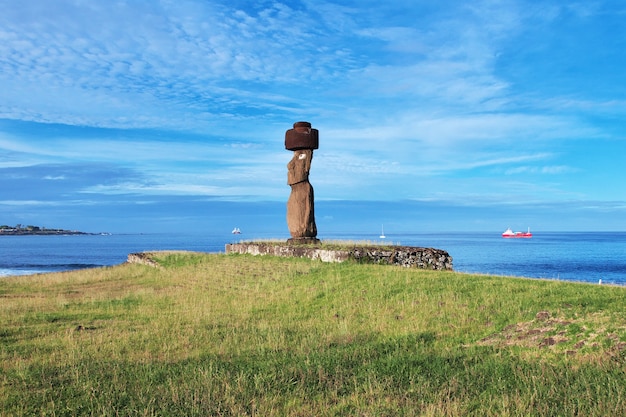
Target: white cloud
[544,170]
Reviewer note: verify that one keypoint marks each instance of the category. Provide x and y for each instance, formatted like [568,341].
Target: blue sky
[144,116]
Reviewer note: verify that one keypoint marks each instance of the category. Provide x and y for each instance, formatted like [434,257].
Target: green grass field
[237,335]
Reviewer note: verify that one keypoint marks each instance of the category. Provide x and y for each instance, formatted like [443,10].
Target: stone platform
[406,256]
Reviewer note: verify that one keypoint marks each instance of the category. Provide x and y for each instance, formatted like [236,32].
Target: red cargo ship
[511,234]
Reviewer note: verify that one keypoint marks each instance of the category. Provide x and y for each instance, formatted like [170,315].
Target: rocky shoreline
[46,232]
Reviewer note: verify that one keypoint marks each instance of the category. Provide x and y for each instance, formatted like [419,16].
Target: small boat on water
[508,233]
[236,231]
[382,233]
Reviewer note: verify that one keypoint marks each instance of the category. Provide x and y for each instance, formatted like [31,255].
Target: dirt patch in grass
[571,336]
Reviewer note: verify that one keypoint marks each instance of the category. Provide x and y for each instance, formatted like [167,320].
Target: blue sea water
[584,256]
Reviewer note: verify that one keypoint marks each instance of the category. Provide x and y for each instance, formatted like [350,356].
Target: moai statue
[302,139]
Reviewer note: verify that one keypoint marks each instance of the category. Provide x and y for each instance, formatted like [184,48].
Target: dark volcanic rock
[413,257]
[302,136]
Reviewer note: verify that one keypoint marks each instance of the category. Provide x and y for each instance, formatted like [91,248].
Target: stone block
[302,136]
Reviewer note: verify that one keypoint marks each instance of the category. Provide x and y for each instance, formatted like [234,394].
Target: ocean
[573,256]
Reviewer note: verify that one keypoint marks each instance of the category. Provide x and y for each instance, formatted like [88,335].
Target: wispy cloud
[548,170]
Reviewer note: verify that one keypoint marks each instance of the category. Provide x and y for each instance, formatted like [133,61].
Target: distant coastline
[20,230]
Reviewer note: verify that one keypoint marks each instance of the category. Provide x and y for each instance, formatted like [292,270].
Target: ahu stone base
[406,256]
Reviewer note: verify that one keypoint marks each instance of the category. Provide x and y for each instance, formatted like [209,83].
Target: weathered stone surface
[299,166]
[302,136]
[300,211]
[406,256]
[144,258]
[304,241]
[296,251]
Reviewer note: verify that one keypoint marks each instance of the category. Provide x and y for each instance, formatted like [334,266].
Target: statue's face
[299,166]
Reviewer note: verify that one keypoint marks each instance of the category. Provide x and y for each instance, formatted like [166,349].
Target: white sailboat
[382,234]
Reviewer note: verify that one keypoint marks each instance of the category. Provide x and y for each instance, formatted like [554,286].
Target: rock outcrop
[144,258]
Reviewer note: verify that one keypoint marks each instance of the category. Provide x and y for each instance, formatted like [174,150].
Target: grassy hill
[237,335]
